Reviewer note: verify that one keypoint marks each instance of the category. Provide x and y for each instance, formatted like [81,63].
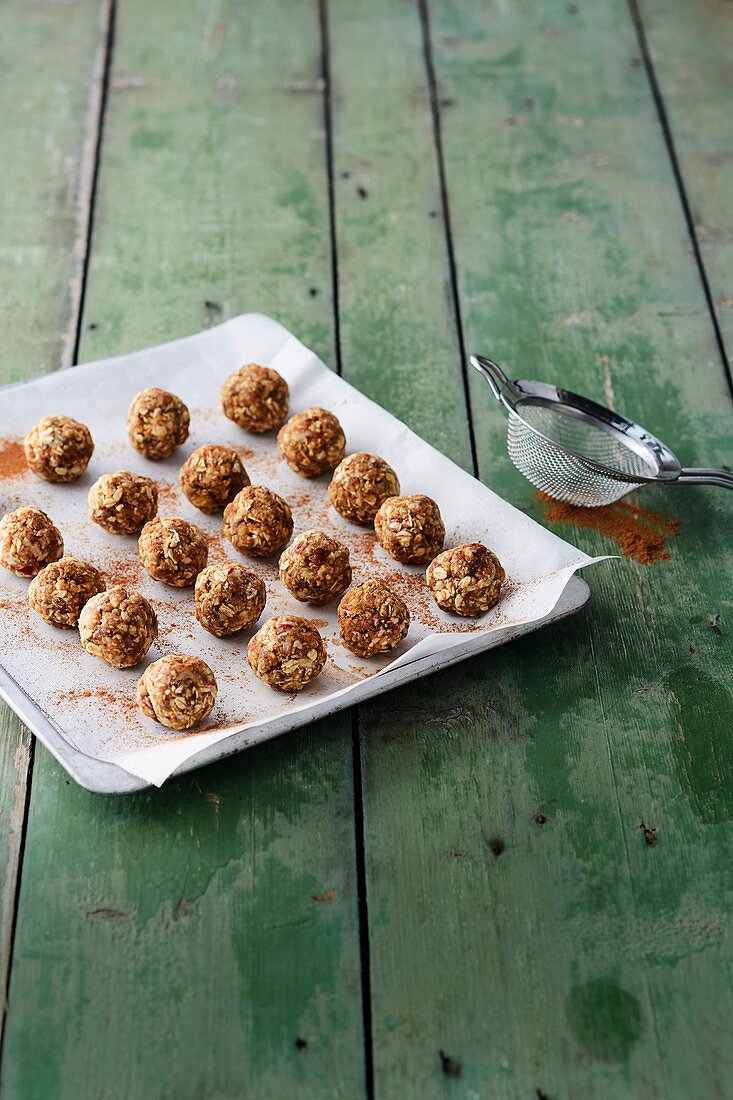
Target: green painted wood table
[449,892]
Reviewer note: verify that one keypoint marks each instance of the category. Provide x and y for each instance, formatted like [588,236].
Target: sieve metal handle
[491,372]
[694,475]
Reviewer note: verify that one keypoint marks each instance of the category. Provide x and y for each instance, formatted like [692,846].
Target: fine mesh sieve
[581,452]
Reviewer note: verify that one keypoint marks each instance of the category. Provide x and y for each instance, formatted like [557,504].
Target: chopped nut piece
[360,485]
[157,423]
[372,619]
[28,541]
[256,398]
[177,690]
[229,597]
[312,442]
[58,448]
[173,550]
[466,579]
[287,653]
[212,476]
[315,568]
[118,626]
[123,502]
[410,528]
[61,589]
[258,522]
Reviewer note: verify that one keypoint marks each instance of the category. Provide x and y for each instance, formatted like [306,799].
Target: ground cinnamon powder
[12,458]
[638,532]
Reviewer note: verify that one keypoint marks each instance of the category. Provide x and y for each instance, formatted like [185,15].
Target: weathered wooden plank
[585,215]
[47,55]
[200,940]
[690,48]
[519,923]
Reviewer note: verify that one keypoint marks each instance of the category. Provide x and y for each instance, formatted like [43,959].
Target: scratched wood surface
[467,906]
[52,55]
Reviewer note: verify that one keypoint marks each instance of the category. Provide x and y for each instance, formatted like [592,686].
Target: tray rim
[104,777]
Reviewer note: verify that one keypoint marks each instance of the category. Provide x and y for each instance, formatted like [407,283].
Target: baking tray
[84,711]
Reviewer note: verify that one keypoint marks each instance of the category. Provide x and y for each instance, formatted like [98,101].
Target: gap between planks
[666,128]
[87,181]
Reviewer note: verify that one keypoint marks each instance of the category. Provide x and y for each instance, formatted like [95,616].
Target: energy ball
[212,476]
[229,597]
[287,653]
[258,522]
[173,550]
[123,502]
[60,591]
[58,448]
[410,528]
[256,398]
[315,568]
[372,619]
[466,579]
[312,442]
[118,626]
[157,423]
[360,485]
[28,541]
[177,690]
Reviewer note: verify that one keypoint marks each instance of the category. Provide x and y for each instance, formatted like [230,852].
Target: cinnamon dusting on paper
[639,532]
[12,458]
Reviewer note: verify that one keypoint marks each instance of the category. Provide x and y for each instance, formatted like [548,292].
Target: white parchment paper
[91,704]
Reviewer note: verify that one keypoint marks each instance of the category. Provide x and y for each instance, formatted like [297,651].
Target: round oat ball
[372,619]
[177,690]
[212,476]
[287,653]
[157,423]
[466,579]
[123,502]
[315,568]
[229,597]
[360,485]
[258,522]
[118,626]
[173,550]
[28,541]
[410,528]
[58,448]
[256,398]
[60,591]
[312,442]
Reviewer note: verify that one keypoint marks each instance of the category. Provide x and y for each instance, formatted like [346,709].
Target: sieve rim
[603,419]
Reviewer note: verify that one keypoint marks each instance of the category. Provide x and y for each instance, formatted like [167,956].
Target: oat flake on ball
[122,503]
[173,550]
[60,591]
[410,528]
[360,485]
[28,541]
[315,568]
[258,522]
[255,398]
[287,653]
[466,580]
[157,423]
[212,476]
[229,597]
[372,619]
[177,690]
[312,442]
[118,626]
[58,448]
